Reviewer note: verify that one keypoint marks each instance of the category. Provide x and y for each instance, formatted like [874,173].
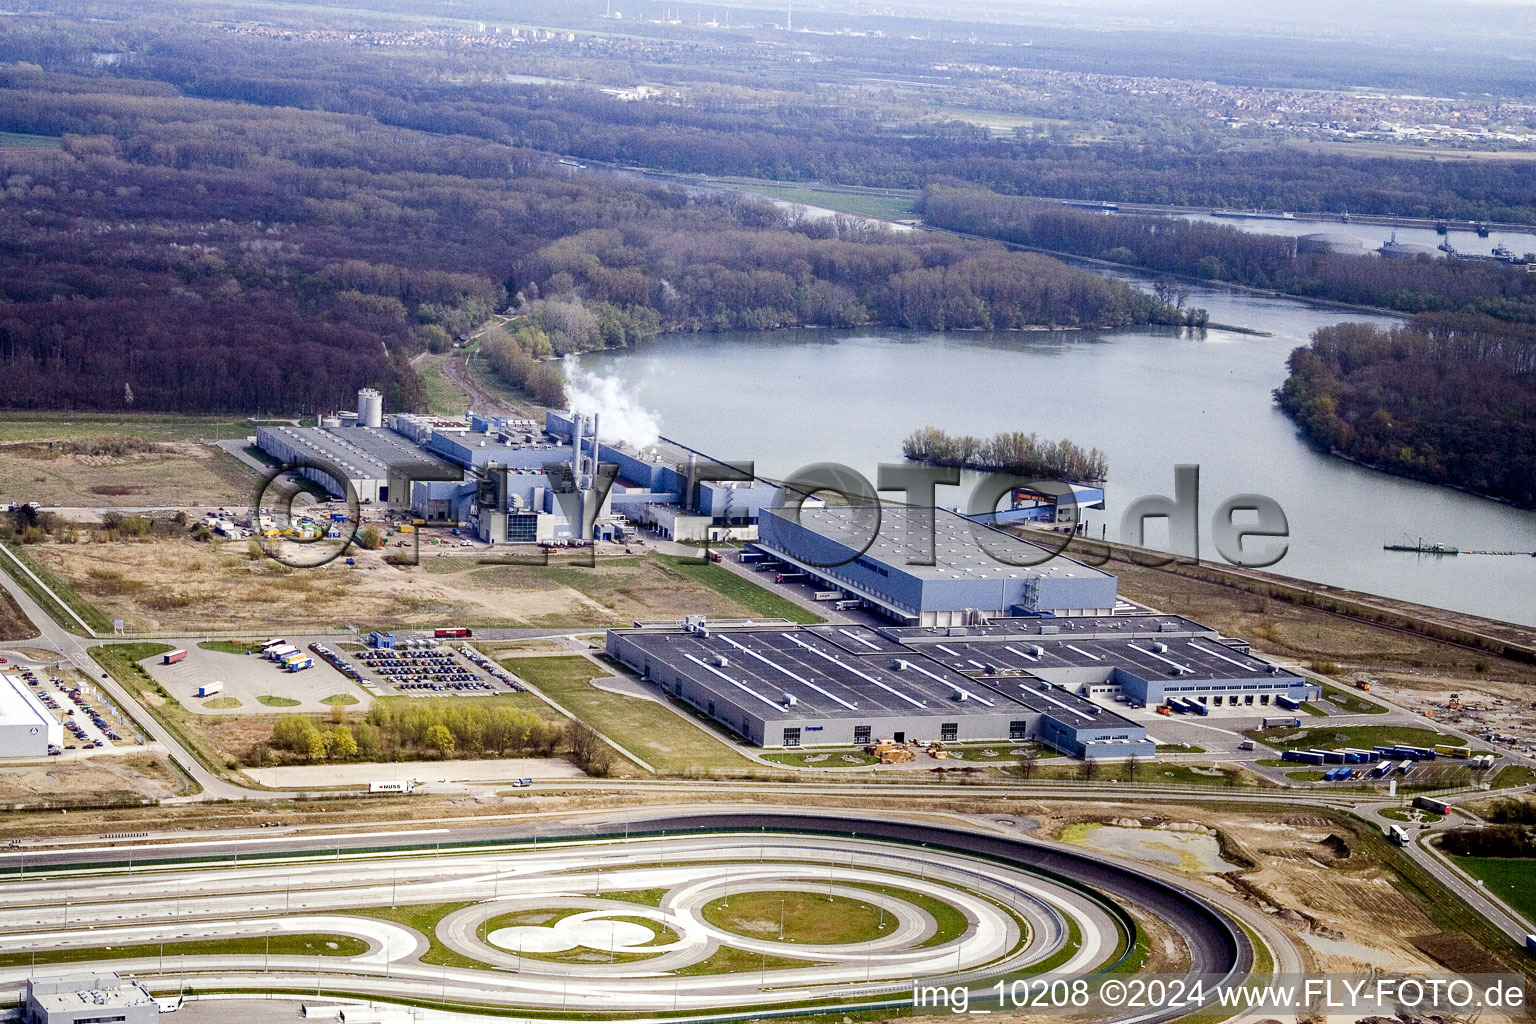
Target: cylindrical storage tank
[370,408]
[330,421]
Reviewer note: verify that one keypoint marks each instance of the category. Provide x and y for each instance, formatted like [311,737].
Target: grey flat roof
[957,554]
[764,666]
[365,452]
[1064,625]
[1196,657]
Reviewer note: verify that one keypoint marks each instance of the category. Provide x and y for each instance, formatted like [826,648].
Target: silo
[370,408]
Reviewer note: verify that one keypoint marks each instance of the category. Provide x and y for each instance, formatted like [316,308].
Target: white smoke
[605,395]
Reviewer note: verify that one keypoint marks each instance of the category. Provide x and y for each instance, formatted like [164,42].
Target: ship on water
[1253,215]
[1422,547]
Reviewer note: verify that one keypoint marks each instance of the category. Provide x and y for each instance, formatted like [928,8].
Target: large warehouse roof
[18,705]
[772,670]
[957,553]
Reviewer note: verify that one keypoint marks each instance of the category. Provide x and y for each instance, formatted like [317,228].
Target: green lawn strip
[756,599]
[222,703]
[799,916]
[823,758]
[661,935]
[1179,748]
[648,897]
[1352,702]
[950,920]
[277,702]
[1360,736]
[1409,814]
[1505,878]
[230,646]
[37,426]
[728,960]
[653,732]
[339,698]
[67,596]
[122,662]
[281,945]
[1514,775]
[424,918]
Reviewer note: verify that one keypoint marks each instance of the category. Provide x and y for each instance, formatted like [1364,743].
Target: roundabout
[685,916]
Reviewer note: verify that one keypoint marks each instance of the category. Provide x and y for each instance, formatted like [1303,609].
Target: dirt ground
[169,473]
[1415,671]
[101,778]
[179,584]
[1342,905]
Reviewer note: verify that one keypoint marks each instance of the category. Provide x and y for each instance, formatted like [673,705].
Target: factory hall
[1013,680]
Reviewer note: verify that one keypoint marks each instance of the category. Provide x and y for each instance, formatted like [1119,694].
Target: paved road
[321,885]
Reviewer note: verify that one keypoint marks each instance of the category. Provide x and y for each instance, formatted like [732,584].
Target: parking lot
[426,667]
[247,679]
[91,720]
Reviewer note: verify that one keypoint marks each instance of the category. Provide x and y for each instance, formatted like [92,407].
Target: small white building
[27,727]
[85,998]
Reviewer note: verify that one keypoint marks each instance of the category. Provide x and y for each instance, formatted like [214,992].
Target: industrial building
[1024,678]
[779,686]
[967,582]
[378,464]
[88,999]
[27,727]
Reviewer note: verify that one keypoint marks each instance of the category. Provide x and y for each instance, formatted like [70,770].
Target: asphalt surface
[1216,946]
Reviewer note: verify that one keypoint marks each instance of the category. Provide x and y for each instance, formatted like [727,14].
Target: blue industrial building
[977,572]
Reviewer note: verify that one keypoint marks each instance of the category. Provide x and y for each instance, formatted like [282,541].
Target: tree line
[1220,252]
[1448,398]
[1008,452]
[416,729]
[208,256]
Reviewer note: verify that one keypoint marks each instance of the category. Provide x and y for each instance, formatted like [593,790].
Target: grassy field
[758,600]
[253,946]
[656,734]
[950,921]
[34,426]
[1514,775]
[443,396]
[13,624]
[1362,736]
[80,473]
[799,917]
[879,207]
[16,140]
[92,615]
[1508,878]
[230,646]
[1351,702]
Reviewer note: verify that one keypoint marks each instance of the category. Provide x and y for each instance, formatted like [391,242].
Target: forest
[1008,452]
[1448,398]
[1219,252]
[207,256]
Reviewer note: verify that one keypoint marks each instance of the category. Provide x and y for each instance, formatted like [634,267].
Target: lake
[1150,398]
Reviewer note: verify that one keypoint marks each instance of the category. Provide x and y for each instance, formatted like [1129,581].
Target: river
[1150,398]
